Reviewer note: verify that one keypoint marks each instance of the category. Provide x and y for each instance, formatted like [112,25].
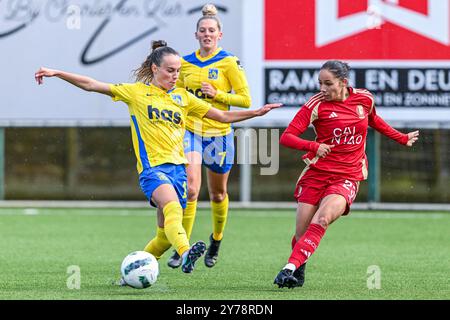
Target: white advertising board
[104,39]
[399,50]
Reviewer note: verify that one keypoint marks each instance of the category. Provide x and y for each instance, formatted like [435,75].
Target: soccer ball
[140,269]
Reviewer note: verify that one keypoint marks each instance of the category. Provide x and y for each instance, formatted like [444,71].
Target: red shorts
[314,186]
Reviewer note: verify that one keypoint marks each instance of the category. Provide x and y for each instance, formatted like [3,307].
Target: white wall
[53,36]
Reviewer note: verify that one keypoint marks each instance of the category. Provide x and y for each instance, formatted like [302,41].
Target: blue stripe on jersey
[192,58]
[142,151]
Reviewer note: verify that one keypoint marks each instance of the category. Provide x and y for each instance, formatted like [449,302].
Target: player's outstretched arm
[236,116]
[376,122]
[412,137]
[83,82]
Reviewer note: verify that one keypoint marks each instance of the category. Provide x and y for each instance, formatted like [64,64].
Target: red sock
[307,244]
[293,242]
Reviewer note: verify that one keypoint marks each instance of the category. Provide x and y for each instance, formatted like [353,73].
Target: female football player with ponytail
[335,162]
[210,73]
[158,113]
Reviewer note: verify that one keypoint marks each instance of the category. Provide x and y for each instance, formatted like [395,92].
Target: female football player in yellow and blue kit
[158,112]
[210,73]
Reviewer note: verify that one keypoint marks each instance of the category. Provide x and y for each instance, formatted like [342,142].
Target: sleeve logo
[176,98]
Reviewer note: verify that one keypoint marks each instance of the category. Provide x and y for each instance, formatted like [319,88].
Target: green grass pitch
[38,246]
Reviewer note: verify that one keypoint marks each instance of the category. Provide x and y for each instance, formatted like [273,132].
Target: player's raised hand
[266,108]
[324,149]
[412,137]
[43,72]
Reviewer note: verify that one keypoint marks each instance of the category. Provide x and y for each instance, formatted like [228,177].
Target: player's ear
[154,68]
[196,36]
[220,35]
[345,82]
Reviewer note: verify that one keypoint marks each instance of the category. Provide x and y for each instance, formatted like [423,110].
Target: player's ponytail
[209,11]
[159,49]
[158,44]
[338,68]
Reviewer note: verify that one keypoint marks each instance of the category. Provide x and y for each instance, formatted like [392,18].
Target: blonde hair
[209,11]
[159,49]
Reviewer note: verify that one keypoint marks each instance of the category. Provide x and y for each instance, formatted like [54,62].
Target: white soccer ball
[140,269]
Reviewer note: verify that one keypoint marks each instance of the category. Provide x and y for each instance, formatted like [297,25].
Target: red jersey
[343,124]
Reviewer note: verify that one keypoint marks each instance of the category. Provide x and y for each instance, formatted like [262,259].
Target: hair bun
[209,10]
[158,43]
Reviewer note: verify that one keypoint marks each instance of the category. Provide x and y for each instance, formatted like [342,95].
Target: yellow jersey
[224,71]
[158,119]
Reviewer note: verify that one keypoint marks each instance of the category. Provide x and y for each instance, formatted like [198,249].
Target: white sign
[104,39]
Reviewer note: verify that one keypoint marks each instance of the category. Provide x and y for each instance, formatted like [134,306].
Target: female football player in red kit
[335,162]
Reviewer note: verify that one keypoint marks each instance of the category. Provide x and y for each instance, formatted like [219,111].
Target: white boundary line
[269,214]
[205,204]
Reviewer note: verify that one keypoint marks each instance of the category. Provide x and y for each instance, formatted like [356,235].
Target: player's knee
[324,222]
[193,187]
[217,196]
[193,193]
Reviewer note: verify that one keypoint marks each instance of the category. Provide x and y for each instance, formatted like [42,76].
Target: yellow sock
[219,215]
[173,216]
[189,217]
[159,244]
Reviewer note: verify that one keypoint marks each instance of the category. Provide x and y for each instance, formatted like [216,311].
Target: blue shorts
[217,152]
[173,174]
